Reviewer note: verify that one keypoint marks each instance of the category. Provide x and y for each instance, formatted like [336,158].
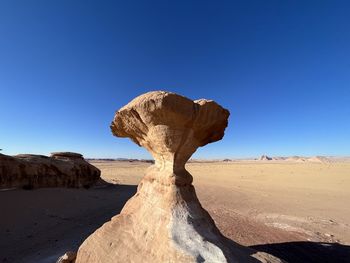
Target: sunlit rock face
[61,169]
[164,221]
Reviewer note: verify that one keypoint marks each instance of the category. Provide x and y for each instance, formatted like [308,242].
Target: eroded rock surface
[62,169]
[164,221]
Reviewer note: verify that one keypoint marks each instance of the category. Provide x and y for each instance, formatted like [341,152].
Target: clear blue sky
[282,68]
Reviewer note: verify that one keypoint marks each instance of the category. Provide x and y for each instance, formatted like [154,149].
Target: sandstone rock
[265,158]
[66,155]
[33,171]
[164,221]
[318,159]
[297,159]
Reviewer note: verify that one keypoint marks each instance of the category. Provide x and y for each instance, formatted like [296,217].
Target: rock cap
[170,126]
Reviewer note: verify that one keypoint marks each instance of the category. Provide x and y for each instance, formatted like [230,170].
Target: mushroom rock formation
[164,221]
[63,169]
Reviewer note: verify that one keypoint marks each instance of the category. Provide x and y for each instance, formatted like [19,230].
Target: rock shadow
[50,221]
[308,252]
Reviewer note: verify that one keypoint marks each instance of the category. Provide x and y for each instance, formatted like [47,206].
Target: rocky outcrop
[63,169]
[265,158]
[164,221]
[297,159]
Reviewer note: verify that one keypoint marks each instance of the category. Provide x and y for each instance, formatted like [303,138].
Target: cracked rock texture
[62,169]
[164,221]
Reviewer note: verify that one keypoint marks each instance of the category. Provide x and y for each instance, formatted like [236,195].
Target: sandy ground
[297,211]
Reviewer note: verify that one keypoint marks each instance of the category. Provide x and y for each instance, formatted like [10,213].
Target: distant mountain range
[263,158]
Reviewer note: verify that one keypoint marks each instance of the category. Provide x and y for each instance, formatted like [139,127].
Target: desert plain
[298,211]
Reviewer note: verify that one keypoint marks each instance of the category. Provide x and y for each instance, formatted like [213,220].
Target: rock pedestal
[164,221]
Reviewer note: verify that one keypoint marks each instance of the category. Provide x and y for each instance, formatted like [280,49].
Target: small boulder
[68,257]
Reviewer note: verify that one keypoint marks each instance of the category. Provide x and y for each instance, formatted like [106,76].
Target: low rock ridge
[61,169]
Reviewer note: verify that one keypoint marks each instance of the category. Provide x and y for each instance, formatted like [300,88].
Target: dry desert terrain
[299,212]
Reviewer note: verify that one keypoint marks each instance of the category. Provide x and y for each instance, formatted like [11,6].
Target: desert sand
[297,211]
[306,200]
